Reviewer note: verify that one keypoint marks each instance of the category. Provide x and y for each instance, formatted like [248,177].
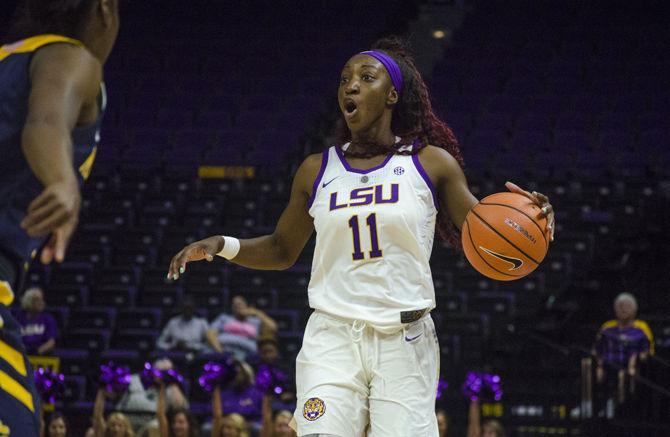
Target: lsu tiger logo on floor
[4,430]
[313,409]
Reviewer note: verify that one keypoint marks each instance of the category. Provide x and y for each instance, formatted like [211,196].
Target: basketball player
[370,352]
[51,104]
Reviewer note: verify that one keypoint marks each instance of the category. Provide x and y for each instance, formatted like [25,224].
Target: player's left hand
[540,200]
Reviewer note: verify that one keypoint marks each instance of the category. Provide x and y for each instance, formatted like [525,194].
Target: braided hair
[415,122]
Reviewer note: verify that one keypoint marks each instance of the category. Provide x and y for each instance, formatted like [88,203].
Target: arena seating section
[553,95]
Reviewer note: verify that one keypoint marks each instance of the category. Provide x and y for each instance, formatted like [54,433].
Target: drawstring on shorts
[357,329]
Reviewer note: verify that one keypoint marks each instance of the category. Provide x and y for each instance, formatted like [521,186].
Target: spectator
[268,351]
[116,425]
[57,426]
[175,423]
[622,341]
[237,333]
[229,425]
[38,328]
[443,423]
[140,404]
[243,397]
[268,354]
[279,427]
[477,428]
[185,332]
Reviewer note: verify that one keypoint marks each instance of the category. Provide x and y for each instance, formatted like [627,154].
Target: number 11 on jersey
[371,221]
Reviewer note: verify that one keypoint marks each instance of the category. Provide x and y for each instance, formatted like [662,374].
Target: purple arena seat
[72,361]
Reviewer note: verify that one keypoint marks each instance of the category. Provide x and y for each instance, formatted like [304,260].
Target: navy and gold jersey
[18,184]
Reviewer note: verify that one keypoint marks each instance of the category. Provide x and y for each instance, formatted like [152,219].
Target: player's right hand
[203,249]
[56,206]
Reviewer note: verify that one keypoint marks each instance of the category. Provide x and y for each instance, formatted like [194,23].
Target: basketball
[504,237]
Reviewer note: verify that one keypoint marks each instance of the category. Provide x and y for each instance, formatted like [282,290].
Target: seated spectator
[443,423]
[38,328]
[228,425]
[268,354]
[622,341]
[237,333]
[174,423]
[56,426]
[619,345]
[185,332]
[140,404]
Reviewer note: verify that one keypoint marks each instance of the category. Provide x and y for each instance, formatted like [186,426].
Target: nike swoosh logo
[413,338]
[516,262]
[326,183]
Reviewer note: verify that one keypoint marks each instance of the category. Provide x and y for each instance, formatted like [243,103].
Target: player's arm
[452,187]
[449,181]
[277,251]
[65,79]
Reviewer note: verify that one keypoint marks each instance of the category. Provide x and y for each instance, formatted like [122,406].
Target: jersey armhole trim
[426,179]
[319,176]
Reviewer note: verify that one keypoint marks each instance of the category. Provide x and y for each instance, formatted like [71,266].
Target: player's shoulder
[308,171]
[66,60]
[437,162]
[312,161]
[66,54]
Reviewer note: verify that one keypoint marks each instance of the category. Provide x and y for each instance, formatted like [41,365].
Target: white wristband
[231,247]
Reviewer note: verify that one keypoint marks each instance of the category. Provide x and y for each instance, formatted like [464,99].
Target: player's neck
[375,135]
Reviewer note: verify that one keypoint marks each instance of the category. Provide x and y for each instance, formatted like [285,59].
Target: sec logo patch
[313,409]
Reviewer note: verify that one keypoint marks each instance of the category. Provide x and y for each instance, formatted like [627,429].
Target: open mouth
[350,108]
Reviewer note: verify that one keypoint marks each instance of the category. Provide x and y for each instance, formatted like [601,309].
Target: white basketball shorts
[354,381]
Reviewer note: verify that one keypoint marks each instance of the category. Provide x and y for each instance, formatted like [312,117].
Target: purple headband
[390,65]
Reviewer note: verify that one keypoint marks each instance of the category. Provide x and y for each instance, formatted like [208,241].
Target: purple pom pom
[115,379]
[479,385]
[442,385]
[152,376]
[269,379]
[217,374]
[50,385]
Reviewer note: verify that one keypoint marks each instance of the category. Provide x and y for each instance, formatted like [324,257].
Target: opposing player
[370,352]
[51,104]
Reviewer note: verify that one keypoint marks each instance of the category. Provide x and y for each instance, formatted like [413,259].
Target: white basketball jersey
[374,236]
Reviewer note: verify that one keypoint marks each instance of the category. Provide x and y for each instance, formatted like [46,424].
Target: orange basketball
[504,236]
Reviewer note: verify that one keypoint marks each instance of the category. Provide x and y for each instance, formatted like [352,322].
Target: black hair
[61,17]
